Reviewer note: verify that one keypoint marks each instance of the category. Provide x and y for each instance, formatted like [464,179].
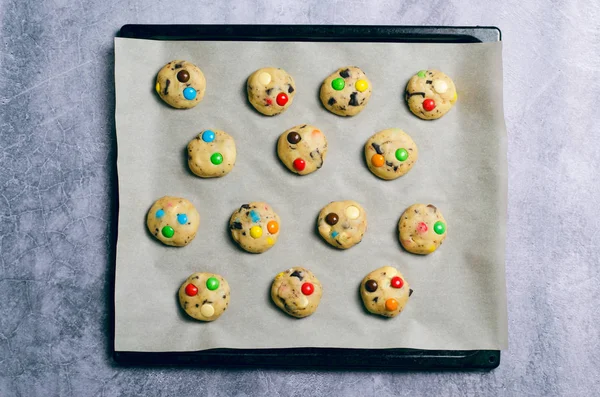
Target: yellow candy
[255,231]
[432,248]
[361,85]
[157,87]
[455,97]
[279,275]
[270,241]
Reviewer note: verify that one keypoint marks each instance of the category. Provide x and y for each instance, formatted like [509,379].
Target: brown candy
[183,76]
[293,137]
[371,285]
[332,218]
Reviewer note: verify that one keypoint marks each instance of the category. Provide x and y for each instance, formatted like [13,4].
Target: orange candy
[273,227]
[391,305]
[378,160]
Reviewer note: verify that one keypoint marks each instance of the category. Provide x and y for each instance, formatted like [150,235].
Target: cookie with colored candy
[204,296]
[390,153]
[255,227]
[302,149]
[297,291]
[385,292]
[342,223]
[422,228]
[346,92]
[211,154]
[430,94]
[173,221]
[271,90]
[181,84]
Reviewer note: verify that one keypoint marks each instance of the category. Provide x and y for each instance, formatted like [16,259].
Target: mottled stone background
[57,154]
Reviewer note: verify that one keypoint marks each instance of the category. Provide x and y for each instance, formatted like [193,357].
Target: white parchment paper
[459,300]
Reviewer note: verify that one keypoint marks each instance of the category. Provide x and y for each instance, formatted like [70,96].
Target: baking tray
[314,357]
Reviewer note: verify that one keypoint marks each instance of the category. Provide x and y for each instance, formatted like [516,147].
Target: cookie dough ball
[342,223]
[422,229]
[390,153]
[271,90]
[211,154]
[181,84]
[297,291]
[385,292]
[173,221]
[255,227]
[346,92]
[204,296]
[430,94]
[302,149]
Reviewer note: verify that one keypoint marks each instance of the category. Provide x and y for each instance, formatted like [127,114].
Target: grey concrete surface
[57,153]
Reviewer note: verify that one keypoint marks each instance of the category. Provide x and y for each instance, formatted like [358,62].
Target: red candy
[397,282]
[422,227]
[299,164]
[429,104]
[269,101]
[191,290]
[308,288]
[282,99]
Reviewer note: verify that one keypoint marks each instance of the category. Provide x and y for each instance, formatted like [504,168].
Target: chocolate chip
[410,292]
[245,206]
[178,65]
[297,274]
[332,218]
[414,93]
[269,91]
[236,225]
[371,285]
[428,81]
[303,126]
[331,101]
[345,73]
[243,233]
[224,296]
[196,278]
[389,163]
[416,211]
[293,137]
[375,299]
[353,100]
[290,89]
[432,206]
[377,148]
[167,87]
[197,305]
[183,76]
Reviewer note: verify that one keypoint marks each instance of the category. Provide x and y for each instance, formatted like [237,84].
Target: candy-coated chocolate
[273,227]
[401,154]
[208,136]
[189,93]
[168,231]
[293,137]
[440,86]
[270,241]
[207,310]
[371,285]
[429,104]
[256,232]
[183,76]
[160,213]
[182,219]
[439,227]
[332,218]
[299,164]
[361,85]
[378,160]
[422,227]
[191,290]
[264,78]
[338,84]
[157,87]
[422,73]
[281,99]
[212,283]
[455,97]
[334,234]
[397,282]
[391,304]
[308,288]
[216,158]
[352,212]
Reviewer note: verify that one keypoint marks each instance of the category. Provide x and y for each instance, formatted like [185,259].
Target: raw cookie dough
[342,223]
[346,92]
[390,153]
[173,221]
[385,292]
[255,227]
[302,149]
[422,229]
[271,90]
[181,84]
[430,94]
[297,292]
[211,154]
[204,296]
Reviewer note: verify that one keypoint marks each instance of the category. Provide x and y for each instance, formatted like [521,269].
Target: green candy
[168,231]
[401,154]
[338,84]
[439,227]
[422,73]
[216,158]
[212,283]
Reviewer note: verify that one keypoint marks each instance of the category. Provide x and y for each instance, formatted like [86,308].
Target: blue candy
[255,217]
[208,136]
[160,213]
[182,219]
[334,234]
[189,93]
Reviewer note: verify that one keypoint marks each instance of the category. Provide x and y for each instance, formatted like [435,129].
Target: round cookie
[173,221]
[385,292]
[422,229]
[390,153]
[430,94]
[297,292]
[346,92]
[302,149]
[181,84]
[255,227]
[211,154]
[204,296]
[271,90]
[342,223]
